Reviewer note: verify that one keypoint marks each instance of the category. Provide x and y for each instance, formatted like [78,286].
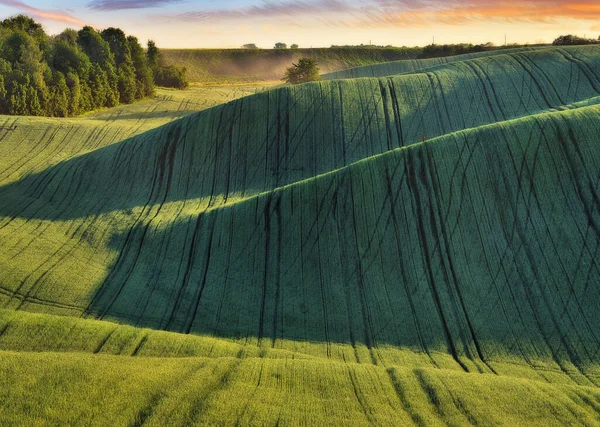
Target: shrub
[171,76]
[306,70]
[570,40]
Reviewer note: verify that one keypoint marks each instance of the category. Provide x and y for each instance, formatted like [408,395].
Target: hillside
[391,68]
[415,249]
[213,66]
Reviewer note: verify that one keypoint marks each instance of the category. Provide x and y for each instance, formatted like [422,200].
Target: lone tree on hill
[280,45]
[294,46]
[306,70]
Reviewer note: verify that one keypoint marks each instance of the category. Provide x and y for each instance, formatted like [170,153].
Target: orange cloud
[408,13]
[43,14]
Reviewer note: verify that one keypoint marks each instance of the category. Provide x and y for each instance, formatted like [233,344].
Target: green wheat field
[410,243]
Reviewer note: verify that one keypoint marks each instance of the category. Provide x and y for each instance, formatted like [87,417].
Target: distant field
[415,249]
[243,65]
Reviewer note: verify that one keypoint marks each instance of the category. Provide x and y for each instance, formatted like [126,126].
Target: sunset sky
[320,23]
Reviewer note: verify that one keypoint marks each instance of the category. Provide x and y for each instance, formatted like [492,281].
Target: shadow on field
[422,251]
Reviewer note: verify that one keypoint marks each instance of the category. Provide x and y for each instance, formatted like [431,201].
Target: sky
[319,23]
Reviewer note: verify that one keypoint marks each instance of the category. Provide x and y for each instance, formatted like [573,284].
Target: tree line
[76,71]
[571,40]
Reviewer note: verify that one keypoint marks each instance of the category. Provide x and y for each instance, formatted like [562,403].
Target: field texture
[210,66]
[414,249]
[402,66]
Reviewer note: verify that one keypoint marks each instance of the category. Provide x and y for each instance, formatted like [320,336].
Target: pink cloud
[57,16]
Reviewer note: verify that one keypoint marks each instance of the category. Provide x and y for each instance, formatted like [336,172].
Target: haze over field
[206,23]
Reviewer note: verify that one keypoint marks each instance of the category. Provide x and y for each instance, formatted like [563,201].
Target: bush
[571,40]
[165,75]
[171,76]
[306,70]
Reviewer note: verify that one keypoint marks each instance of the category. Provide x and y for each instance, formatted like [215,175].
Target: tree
[26,24]
[306,70]
[75,71]
[294,46]
[570,40]
[127,87]
[116,39]
[165,76]
[66,57]
[98,50]
[280,45]
[58,104]
[74,85]
[153,55]
[3,96]
[171,77]
[69,36]
[5,72]
[143,73]
[95,47]
[250,46]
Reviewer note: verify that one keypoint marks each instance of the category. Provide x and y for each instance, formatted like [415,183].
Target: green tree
[250,46]
[5,80]
[117,41]
[102,93]
[571,40]
[69,36]
[153,55]
[10,50]
[174,77]
[125,69]
[143,74]
[58,103]
[74,85]
[98,50]
[3,96]
[66,57]
[294,46]
[280,45]
[306,70]
[165,76]
[26,24]
[95,47]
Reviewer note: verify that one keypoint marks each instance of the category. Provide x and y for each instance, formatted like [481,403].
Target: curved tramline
[374,238]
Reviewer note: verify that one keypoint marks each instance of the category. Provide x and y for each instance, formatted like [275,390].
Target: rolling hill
[417,249]
[402,66]
[217,66]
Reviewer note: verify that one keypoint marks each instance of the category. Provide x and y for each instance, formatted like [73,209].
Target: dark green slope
[403,66]
[480,244]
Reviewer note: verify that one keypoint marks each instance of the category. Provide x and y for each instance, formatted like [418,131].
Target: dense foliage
[73,72]
[571,40]
[165,75]
[306,70]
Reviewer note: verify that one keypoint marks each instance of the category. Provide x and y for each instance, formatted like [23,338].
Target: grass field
[415,249]
[410,65]
[226,66]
